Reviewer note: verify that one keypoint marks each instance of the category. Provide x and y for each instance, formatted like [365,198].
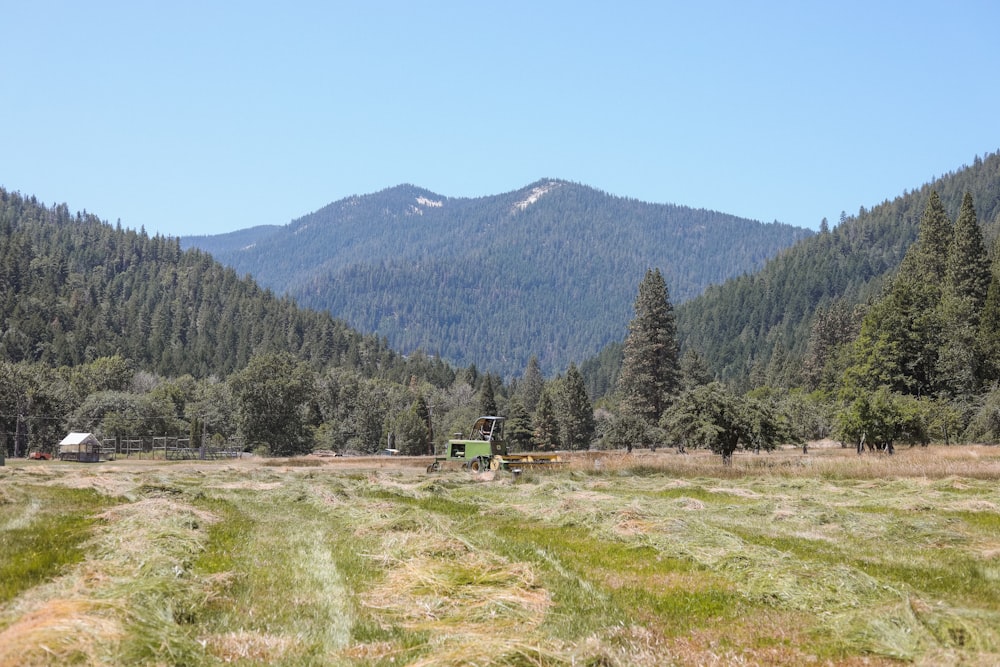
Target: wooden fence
[168,448]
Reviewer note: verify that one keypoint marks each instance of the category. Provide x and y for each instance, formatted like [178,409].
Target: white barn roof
[77,438]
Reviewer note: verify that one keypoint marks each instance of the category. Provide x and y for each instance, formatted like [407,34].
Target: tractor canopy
[488,428]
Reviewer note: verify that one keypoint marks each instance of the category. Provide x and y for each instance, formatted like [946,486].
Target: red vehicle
[40,456]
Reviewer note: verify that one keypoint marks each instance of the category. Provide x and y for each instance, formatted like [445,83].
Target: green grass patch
[697,493]
[50,539]
[431,503]
[987,522]
[956,580]
[287,572]
[801,548]
[225,538]
[953,577]
[597,583]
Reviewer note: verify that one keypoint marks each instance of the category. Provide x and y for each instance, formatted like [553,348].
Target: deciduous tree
[411,431]
[271,394]
[714,417]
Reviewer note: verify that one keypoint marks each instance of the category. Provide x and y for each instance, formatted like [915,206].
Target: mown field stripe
[39,544]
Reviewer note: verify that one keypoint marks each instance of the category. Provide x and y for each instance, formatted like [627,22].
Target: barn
[80,447]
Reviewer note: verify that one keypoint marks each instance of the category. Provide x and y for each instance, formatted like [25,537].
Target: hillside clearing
[611,560]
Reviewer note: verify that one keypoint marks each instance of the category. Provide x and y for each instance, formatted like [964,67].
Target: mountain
[549,270]
[760,324]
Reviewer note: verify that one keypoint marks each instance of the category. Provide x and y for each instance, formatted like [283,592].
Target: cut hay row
[118,600]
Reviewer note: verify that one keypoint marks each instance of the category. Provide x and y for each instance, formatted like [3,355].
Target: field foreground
[649,559]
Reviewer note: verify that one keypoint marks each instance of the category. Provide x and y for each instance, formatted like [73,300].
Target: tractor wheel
[495,463]
[476,464]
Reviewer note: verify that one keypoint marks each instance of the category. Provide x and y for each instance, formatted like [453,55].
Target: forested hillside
[110,331]
[756,328]
[548,270]
[75,289]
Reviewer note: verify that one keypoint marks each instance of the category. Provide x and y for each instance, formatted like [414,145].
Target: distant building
[80,447]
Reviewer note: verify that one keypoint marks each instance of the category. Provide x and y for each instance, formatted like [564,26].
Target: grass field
[647,559]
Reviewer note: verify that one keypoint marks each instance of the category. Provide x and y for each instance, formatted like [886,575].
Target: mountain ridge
[553,266]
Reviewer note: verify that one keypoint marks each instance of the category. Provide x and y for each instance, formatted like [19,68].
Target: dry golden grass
[61,631]
[824,459]
[253,647]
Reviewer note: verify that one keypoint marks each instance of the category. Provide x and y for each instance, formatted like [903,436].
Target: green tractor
[485,449]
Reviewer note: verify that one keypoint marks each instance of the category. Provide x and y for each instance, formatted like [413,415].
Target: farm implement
[486,449]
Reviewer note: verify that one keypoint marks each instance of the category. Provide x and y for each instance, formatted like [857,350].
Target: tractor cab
[488,429]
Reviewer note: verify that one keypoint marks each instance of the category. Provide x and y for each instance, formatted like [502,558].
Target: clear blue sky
[205,117]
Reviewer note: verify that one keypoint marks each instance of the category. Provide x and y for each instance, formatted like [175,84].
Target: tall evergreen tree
[961,358]
[650,373]
[577,419]
[968,267]
[901,336]
[927,259]
[487,398]
[900,339]
[531,384]
[424,413]
[989,331]
[518,426]
[546,423]
[694,370]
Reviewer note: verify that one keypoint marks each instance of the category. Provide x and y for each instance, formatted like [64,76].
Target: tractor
[485,449]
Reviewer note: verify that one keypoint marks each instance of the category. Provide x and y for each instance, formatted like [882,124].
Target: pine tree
[927,259]
[968,267]
[518,426]
[694,370]
[832,331]
[650,373]
[487,399]
[531,384]
[960,358]
[546,434]
[577,420]
[424,413]
[901,337]
[988,334]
